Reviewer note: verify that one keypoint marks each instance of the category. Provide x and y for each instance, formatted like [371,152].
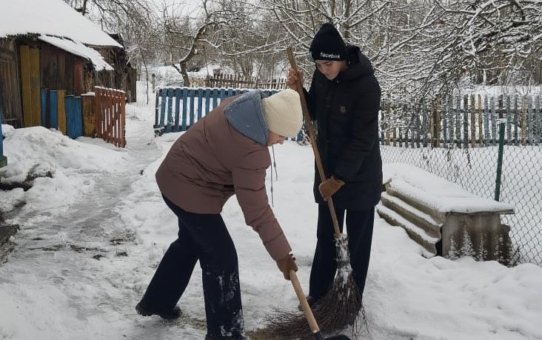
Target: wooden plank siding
[9,83]
[61,70]
[74,119]
[60,110]
[89,119]
[30,85]
[78,76]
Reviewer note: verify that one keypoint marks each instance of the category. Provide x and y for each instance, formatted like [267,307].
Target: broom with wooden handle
[317,334]
[341,305]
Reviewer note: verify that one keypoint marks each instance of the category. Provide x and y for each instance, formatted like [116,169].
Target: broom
[290,326]
[340,307]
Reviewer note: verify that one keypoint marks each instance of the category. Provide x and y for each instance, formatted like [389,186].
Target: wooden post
[89,115]
[30,86]
[122,120]
[98,118]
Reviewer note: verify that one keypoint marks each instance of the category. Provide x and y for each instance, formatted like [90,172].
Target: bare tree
[420,49]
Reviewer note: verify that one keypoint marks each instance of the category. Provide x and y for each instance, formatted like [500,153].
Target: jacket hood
[358,64]
[245,114]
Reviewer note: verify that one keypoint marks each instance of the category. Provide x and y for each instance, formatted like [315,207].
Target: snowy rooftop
[50,17]
[56,23]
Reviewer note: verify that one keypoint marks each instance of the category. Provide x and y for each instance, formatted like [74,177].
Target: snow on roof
[50,17]
[79,49]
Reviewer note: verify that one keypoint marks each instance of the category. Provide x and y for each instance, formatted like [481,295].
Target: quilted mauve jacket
[223,154]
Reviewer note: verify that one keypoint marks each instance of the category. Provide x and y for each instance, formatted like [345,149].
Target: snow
[435,192]
[50,17]
[79,49]
[56,23]
[92,235]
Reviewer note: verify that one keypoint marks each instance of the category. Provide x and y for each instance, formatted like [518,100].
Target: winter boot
[313,302]
[146,310]
[220,337]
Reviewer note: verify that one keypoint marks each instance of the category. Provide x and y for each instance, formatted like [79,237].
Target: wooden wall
[30,85]
[9,84]
[28,67]
[61,70]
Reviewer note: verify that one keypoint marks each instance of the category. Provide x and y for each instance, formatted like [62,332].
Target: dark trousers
[359,227]
[202,237]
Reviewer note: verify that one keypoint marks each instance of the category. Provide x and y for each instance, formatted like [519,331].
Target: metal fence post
[502,122]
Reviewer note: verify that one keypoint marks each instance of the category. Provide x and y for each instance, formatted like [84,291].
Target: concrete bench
[442,217]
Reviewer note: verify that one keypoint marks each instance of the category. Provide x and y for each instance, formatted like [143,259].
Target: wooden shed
[48,46]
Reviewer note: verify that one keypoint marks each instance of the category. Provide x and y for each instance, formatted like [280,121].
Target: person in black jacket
[344,101]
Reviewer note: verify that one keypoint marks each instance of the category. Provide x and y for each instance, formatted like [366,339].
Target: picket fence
[223,80]
[179,108]
[465,121]
[110,115]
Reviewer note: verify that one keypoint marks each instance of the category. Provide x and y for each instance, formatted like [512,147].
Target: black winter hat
[328,44]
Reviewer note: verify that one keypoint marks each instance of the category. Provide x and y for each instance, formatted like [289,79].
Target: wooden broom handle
[312,137]
[304,303]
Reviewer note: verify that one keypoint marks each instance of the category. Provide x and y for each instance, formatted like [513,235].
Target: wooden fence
[110,115]
[466,121]
[240,81]
[179,108]
[60,111]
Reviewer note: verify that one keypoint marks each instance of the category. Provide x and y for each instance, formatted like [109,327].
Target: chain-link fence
[460,141]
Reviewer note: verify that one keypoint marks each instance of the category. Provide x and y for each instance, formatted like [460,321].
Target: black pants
[359,227]
[202,237]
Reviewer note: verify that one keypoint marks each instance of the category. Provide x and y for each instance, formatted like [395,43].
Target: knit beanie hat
[328,44]
[282,112]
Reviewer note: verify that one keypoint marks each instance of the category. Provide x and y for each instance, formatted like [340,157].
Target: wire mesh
[458,141]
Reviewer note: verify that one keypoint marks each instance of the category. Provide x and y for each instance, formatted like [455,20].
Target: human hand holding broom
[286,265]
[329,187]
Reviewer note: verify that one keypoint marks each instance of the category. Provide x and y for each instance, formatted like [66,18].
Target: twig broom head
[337,310]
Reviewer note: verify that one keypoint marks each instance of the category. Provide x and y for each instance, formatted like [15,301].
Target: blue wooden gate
[54,115]
[74,117]
[179,108]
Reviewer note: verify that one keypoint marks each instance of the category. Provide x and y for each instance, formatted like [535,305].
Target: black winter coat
[346,114]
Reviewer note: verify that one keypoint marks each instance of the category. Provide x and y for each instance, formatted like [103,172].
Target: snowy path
[81,261]
[92,236]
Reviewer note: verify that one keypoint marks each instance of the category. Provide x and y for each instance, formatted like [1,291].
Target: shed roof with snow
[56,23]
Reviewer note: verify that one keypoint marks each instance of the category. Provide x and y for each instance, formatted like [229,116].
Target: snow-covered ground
[92,235]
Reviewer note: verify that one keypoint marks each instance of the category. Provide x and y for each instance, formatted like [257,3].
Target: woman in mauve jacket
[224,154]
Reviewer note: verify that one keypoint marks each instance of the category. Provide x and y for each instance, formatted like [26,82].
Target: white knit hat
[282,112]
